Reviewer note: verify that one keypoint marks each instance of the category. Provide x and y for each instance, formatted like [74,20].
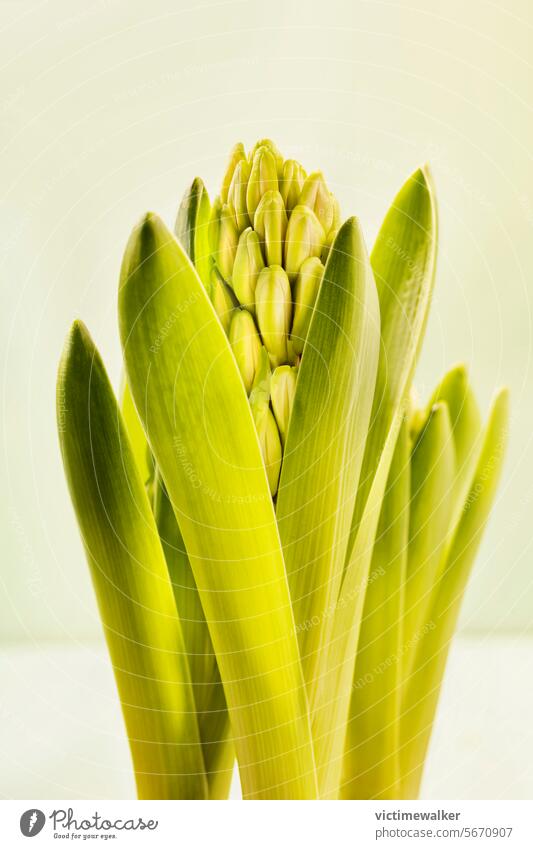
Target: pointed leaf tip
[148,236]
[77,349]
[79,334]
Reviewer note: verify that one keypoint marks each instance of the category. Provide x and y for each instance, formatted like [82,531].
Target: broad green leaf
[432,480]
[403,260]
[332,706]
[130,578]
[455,390]
[139,445]
[422,690]
[210,702]
[211,710]
[191,229]
[372,752]
[326,438]
[191,399]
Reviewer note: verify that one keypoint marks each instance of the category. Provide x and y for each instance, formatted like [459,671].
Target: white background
[109,108]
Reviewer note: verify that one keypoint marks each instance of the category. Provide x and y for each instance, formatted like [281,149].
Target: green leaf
[139,445]
[326,438]
[422,690]
[210,702]
[191,399]
[432,479]
[403,260]
[209,699]
[130,578]
[455,390]
[372,751]
[333,703]
[191,229]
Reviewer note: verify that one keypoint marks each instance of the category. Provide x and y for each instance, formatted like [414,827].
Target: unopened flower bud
[336,215]
[222,299]
[270,442]
[213,230]
[248,263]
[416,414]
[282,389]
[263,178]
[273,307]
[305,292]
[292,182]
[330,238]
[270,223]
[228,238]
[316,195]
[245,344]
[265,424]
[305,237]
[237,194]
[268,143]
[237,154]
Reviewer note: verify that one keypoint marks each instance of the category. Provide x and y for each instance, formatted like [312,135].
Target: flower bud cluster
[270,232]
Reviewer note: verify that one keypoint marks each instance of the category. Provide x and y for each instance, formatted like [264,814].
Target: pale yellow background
[110,108]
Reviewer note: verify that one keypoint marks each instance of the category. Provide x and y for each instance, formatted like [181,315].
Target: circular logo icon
[32,822]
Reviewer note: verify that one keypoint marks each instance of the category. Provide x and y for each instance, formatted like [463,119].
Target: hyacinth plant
[279,536]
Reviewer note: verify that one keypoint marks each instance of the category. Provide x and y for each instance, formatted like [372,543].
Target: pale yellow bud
[265,424]
[282,389]
[305,292]
[268,143]
[292,182]
[270,442]
[222,298]
[237,194]
[263,178]
[330,238]
[237,154]
[273,306]
[245,344]
[305,237]
[270,223]
[316,195]
[248,264]
[228,238]
[213,230]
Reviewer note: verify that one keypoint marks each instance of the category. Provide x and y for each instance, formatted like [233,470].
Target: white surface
[62,734]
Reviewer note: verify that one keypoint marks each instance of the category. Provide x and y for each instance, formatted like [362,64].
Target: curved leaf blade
[432,479]
[191,399]
[192,227]
[465,419]
[130,578]
[403,260]
[139,445]
[421,696]
[209,699]
[333,704]
[371,768]
[326,438]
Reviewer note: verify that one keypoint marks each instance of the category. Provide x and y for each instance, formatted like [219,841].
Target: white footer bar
[272,825]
